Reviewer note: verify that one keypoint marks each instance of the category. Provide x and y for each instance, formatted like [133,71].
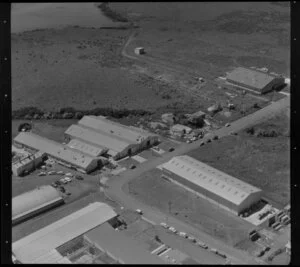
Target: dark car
[78,177]
[215,137]
[62,189]
[208,140]
[57,182]
[171,149]
[132,167]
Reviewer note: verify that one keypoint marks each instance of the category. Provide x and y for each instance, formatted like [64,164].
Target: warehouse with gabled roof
[62,153]
[212,184]
[119,140]
[257,81]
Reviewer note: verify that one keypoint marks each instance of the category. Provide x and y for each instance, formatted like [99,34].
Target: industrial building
[120,140]
[87,148]
[34,202]
[27,163]
[61,153]
[217,187]
[71,240]
[179,129]
[256,81]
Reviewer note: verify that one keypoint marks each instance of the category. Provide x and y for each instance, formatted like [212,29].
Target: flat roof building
[120,140]
[124,249]
[257,81]
[40,246]
[34,202]
[62,153]
[212,184]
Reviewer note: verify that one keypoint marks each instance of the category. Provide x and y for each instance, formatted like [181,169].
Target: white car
[139,211]
[68,179]
[42,174]
[60,172]
[227,124]
[192,238]
[51,172]
[172,229]
[63,180]
[69,174]
[164,225]
[183,234]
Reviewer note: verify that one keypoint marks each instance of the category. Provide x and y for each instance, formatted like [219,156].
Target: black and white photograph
[150,133]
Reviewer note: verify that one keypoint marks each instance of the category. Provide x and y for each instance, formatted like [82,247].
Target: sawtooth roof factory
[118,140]
[34,202]
[256,81]
[220,188]
[85,236]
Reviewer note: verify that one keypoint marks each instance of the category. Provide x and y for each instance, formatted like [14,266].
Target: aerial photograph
[151,133]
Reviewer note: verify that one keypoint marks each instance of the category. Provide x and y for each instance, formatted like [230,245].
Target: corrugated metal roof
[122,247]
[27,159]
[34,200]
[249,77]
[55,149]
[96,137]
[84,147]
[220,183]
[124,132]
[43,241]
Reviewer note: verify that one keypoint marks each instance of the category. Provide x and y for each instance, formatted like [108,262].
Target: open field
[155,191]
[261,161]
[51,129]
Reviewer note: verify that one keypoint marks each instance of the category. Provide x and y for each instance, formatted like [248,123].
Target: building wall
[37,212]
[217,199]
[19,170]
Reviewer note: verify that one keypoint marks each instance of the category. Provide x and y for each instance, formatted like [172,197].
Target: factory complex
[34,202]
[224,190]
[119,140]
[85,236]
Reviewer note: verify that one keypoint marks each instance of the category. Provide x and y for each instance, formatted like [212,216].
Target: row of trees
[33,113]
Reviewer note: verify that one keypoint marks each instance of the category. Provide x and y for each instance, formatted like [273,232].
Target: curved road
[115,184]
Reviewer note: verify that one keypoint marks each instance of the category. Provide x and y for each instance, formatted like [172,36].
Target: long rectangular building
[212,184]
[62,153]
[40,246]
[254,80]
[120,140]
[87,147]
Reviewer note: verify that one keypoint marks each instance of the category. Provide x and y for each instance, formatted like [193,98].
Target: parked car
[183,234]
[259,253]
[132,166]
[63,181]
[57,182]
[78,177]
[172,229]
[208,140]
[233,133]
[68,193]
[42,174]
[192,238]
[60,172]
[62,189]
[201,244]
[164,225]
[139,211]
[188,141]
[54,185]
[68,179]
[227,124]
[202,143]
[51,172]
[171,149]
[223,255]
[69,174]
[215,137]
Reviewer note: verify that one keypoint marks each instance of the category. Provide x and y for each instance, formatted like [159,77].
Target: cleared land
[260,161]
[155,191]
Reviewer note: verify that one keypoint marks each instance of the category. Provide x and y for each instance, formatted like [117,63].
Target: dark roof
[250,78]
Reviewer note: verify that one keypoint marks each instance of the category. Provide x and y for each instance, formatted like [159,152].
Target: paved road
[115,184]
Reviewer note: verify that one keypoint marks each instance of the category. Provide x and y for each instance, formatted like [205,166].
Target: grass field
[261,161]
[155,191]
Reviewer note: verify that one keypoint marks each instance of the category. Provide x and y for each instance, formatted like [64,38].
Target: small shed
[139,50]
[179,128]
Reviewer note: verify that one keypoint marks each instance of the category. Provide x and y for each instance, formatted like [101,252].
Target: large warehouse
[212,184]
[34,202]
[257,81]
[71,240]
[63,154]
[120,140]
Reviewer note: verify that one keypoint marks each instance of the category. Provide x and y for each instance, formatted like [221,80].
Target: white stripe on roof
[43,241]
[95,137]
[210,178]
[84,147]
